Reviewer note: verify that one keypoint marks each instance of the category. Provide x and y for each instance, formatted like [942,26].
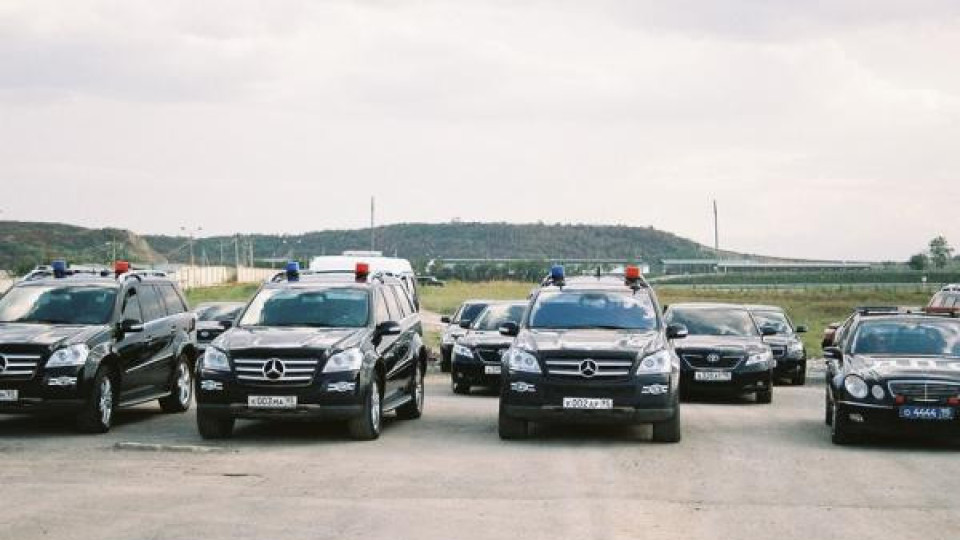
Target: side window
[456,315]
[395,313]
[381,308]
[956,301]
[937,300]
[150,303]
[407,300]
[131,306]
[171,299]
[402,301]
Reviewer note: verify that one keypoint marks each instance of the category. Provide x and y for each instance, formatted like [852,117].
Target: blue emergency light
[59,268]
[556,273]
[293,271]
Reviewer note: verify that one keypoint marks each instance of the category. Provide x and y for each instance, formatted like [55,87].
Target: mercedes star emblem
[588,368]
[274,369]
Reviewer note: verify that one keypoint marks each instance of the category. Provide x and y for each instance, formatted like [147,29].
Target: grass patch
[445,300]
[238,292]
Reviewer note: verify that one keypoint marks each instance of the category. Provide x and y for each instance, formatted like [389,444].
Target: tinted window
[58,304]
[406,303]
[469,312]
[321,308]
[776,319]
[593,309]
[171,299]
[391,298]
[150,303]
[714,321]
[920,337]
[217,312]
[494,316]
[131,307]
[382,313]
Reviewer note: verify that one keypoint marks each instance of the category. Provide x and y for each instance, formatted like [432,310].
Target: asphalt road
[743,471]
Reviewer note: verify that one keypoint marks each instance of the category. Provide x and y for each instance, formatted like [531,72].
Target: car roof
[709,305]
[390,265]
[908,317]
[218,304]
[761,307]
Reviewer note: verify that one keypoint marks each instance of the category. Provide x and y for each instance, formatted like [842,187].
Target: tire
[828,411]
[669,431]
[765,396]
[800,379]
[181,389]
[366,427]
[212,426]
[510,428]
[841,432]
[414,408]
[460,388]
[96,416]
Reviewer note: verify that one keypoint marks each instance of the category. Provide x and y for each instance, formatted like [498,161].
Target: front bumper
[743,380]
[474,372]
[787,367]
[633,402]
[55,390]
[870,418]
[334,396]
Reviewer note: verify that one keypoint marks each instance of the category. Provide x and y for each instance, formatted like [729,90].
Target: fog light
[211,386]
[62,381]
[521,386]
[856,417]
[878,392]
[341,387]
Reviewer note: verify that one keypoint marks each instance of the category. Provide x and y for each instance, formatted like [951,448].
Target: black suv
[477,355]
[317,346]
[591,350]
[457,327]
[86,341]
[894,372]
[724,350]
[787,347]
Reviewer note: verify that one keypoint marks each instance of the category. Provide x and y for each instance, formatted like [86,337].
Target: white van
[391,266]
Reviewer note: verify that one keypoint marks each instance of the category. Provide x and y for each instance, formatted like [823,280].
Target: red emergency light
[632,273]
[362,271]
[121,267]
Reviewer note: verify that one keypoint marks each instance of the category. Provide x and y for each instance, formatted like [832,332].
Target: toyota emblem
[588,368]
[713,358]
[274,369]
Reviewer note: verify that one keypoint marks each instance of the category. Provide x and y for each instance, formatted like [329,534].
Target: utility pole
[716,230]
[236,250]
[373,238]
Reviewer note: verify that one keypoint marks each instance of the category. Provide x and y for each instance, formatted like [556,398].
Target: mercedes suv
[591,350]
[477,355]
[317,346]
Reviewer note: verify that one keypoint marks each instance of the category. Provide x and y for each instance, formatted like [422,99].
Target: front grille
[18,367]
[779,351]
[295,371]
[725,359]
[596,367]
[490,354]
[931,391]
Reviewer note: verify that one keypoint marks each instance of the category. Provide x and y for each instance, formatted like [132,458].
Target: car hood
[485,339]
[46,335]
[893,367]
[590,340]
[289,338]
[718,342]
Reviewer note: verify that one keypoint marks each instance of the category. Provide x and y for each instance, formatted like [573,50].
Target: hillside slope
[26,244]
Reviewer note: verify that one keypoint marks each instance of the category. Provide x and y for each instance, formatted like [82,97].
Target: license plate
[587,403]
[9,395]
[713,376]
[916,412]
[491,370]
[272,402]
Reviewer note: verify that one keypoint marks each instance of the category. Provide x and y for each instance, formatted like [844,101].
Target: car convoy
[343,342]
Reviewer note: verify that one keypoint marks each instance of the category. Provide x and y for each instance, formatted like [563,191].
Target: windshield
[76,304]
[217,312]
[594,309]
[322,308]
[470,312]
[714,321]
[921,338]
[774,319]
[494,316]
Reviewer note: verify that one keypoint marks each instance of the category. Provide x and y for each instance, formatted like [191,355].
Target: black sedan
[214,318]
[477,356]
[894,373]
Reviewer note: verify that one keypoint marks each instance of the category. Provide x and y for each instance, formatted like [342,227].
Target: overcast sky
[824,129]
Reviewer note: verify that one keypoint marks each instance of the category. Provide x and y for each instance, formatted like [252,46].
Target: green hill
[26,244]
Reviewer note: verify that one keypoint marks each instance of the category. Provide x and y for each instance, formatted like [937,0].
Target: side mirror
[833,353]
[801,329]
[445,319]
[677,331]
[509,329]
[226,325]
[465,324]
[131,326]
[768,331]
[388,328]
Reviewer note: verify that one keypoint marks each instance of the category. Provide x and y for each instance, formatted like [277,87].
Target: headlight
[215,360]
[348,360]
[795,349]
[658,362]
[74,355]
[522,361]
[460,350]
[759,358]
[856,386]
